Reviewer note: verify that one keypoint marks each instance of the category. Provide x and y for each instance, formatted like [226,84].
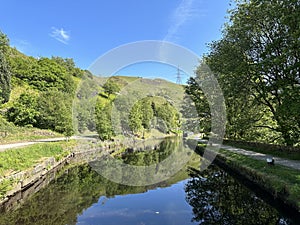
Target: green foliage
[110,87]
[5,74]
[21,159]
[85,102]
[148,112]
[197,96]
[50,84]
[103,119]
[69,65]
[257,65]
[53,75]
[42,74]
[55,112]
[145,114]
[135,118]
[24,110]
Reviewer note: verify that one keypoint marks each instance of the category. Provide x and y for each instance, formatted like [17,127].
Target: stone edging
[255,179]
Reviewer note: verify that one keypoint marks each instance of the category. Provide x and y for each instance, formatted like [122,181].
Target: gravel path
[295,164]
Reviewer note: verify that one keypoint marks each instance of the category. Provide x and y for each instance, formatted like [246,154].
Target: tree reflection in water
[217,198]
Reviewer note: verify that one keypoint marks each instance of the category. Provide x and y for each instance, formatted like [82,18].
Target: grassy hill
[135,105]
[52,97]
[41,97]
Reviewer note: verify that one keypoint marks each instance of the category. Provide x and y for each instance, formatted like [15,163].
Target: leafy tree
[55,112]
[103,122]
[69,65]
[5,74]
[41,74]
[111,87]
[190,118]
[84,104]
[201,104]
[104,109]
[135,118]
[257,65]
[144,111]
[53,75]
[169,115]
[24,110]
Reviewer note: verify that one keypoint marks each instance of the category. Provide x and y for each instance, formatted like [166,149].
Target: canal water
[80,195]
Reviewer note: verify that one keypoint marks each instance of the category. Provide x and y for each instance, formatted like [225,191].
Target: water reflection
[217,198]
[69,197]
[147,167]
[79,195]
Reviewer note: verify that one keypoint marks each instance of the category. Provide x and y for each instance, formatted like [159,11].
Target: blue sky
[85,30]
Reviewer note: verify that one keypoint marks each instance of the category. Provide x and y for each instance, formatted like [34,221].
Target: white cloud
[60,35]
[184,12]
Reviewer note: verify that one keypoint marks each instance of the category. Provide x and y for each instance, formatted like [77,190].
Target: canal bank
[257,175]
[80,195]
[276,182]
[14,183]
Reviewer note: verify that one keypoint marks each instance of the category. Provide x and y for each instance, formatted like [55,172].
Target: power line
[178,76]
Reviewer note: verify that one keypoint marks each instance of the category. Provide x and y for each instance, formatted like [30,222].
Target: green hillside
[43,97]
[138,107]
[36,94]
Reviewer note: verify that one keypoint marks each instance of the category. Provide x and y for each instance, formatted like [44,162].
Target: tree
[24,110]
[145,110]
[111,87]
[5,74]
[169,115]
[196,95]
[103,121]
[50,74]
[258,60]
[55,112]
[135,118]
[69,65]
[41,74]
[84,104]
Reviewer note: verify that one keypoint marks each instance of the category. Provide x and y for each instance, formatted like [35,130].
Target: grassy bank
[25,158]
[9,133]
[282,182]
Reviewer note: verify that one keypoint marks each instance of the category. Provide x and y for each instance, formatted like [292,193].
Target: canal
[82,195]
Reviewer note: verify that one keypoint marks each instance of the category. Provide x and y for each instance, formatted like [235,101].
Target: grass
[273,152]
[24,158]
[13,134]
[5,186]
[128,79]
